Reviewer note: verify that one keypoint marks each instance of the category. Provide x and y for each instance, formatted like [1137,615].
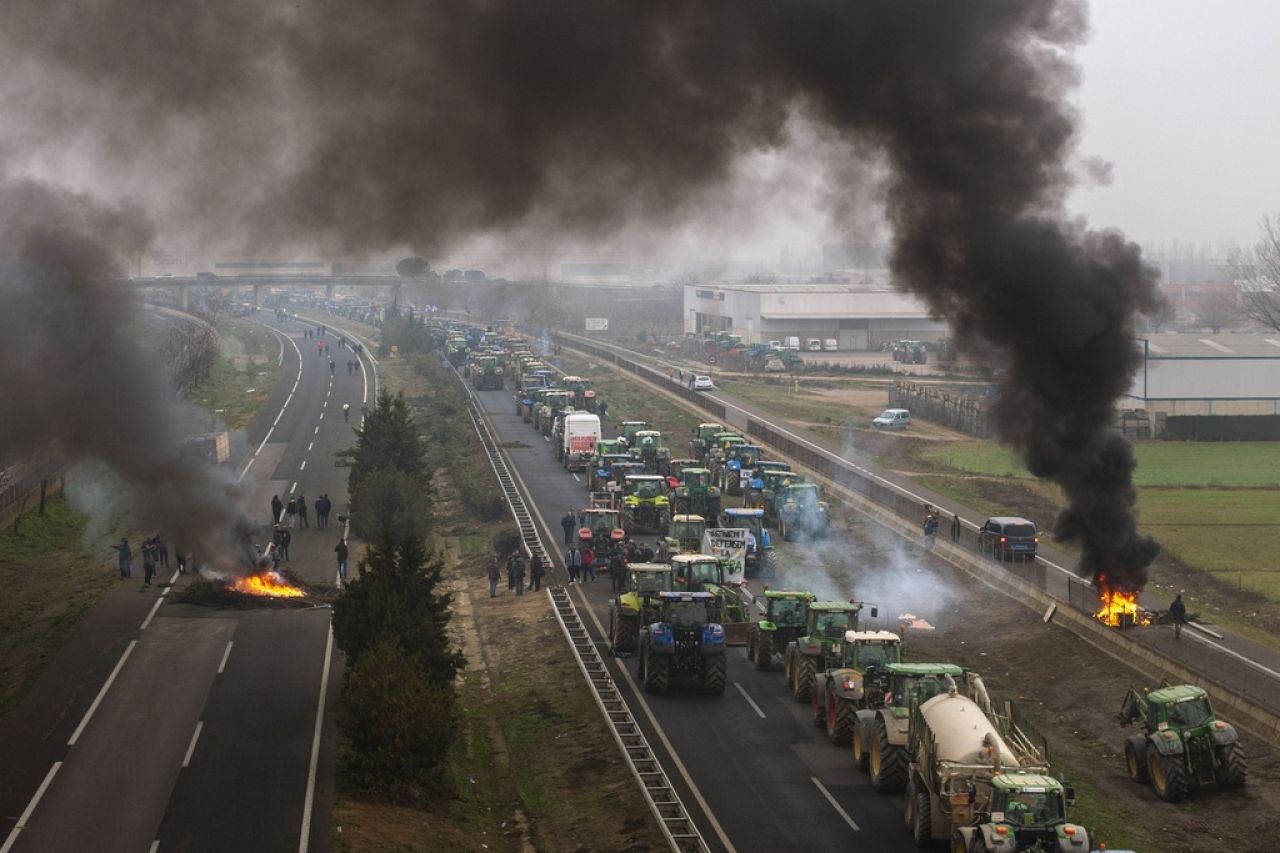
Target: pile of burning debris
[261,586]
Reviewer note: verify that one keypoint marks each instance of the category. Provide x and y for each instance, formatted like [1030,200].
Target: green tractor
[685,536]
[783,622]
[854,683]
[696,494]
[818,650]
[1182,744]
[648,447]
[544,414]
[704,573]
[761,560]
[630,611]
[702,435]
[629,430]
[881,732]
[645,505]
[600,474]
[753,488]
[485,373]
[683,642]
[773,487]
[802,514]
[739,459]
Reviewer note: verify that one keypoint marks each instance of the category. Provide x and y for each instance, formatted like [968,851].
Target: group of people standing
[294,513]
[155,555]
[516,568]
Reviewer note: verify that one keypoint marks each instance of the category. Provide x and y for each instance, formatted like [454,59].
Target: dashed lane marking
[750,701]
[97,700]
[226,654]
[31,807]
[191,747]
[830,799]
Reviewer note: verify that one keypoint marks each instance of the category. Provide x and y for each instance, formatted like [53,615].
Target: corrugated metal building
[861,315]
[1185,374]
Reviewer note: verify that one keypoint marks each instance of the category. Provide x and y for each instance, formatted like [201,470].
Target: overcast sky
[1180,96]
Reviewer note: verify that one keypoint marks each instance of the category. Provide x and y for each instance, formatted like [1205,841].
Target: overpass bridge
[185,284]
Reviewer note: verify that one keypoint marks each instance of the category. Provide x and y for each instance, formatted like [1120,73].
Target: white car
[703,383]
[893,419]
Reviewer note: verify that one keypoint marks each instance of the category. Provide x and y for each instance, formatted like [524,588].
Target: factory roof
[1171,345]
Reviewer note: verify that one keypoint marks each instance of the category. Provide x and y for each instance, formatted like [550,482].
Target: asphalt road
[163,726]
[768,778]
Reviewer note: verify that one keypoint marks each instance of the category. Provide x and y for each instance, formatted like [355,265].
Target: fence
[21,483]
[958,411]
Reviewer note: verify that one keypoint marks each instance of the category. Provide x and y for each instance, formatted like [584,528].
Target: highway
[167,726]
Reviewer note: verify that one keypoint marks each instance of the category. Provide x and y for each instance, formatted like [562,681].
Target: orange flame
[267,583]
[1117,605]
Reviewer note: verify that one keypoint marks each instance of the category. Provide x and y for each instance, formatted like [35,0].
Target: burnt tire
[921,818]
[841,719]
[888,763]
[715,674]
[1135,758]
[1233,768]
[655,673]
[764,651]
[863,731]
[1168,776]
[802,671]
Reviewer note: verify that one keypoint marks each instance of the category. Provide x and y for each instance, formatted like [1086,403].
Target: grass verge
[243,376]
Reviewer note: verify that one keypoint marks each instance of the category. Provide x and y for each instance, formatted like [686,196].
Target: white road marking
[75,736]
[1272,341]
[310,445]
[31,807]
[223,663]
[151,615]
[547,439]
[305,839]
[1214,344]
[294,487]
[830,799]
[191,747]
[1156,348]
[750,701]
[322,416]
[317,432]
[303,466]
[576,477]
[155,845]
[296,380]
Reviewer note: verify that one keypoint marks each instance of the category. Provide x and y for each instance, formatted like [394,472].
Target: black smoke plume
[422,124]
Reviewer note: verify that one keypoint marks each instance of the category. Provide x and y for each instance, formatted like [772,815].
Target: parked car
[774,365]
[830,345]
[893,419]
[703,383]
[1008,538]
[813,345]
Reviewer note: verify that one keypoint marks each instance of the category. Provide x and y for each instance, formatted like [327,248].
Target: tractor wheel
[783,530]
[863,732]
[841,719]
[764,651]
[752,634]
[1233,769]
[682,506]
[818,704]
[1168,776]
[664,522]
[714,674]
[733,482]
[1135,758]
[655,673]
[769,564]
[624,631]
[888,762]
[802,677]
[628,519]
[922,819]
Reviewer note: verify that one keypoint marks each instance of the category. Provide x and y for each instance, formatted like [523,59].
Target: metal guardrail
[680,831]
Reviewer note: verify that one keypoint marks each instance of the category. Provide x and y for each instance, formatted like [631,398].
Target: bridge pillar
[397,293]
[329,290]
[257,295]
[184,298]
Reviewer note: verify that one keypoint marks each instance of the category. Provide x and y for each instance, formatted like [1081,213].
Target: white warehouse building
[861,315]
[1186,374]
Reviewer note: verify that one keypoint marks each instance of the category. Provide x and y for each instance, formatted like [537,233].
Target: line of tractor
[972,771]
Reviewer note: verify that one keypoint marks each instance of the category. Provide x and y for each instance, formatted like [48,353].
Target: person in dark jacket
[341,551]
[285,538]
[124,554]
[1178,612]
[148,562]
[291,511]
[536,571]
[568,524]
[573,562]
[277,507]
[515,569]
[302,511]
[955,528]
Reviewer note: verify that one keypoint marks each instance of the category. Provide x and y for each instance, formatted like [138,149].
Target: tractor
[683,643]
[802,514]
[753,488]
[601,471]
[854,683]
[525,387]
[645,505]
[717,448]
[702,435]
[629,430]
[531,399]
[739,458]
[783,621]
[1182,744]
[761,560]
[772,488]
[818,649]
[685,536]
[630,611]
[600,528]
[696,494]
[485,373]
[647,447]
[704,573]
[544,414]
[581,396]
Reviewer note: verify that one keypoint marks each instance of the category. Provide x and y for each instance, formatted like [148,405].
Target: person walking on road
[341,550]
[181,559]
[302,511]
[495,574]
[346,412]
[332,365]
[955,528]
[277,507]
[536,571]
[1178,611]
[124,554]
[618,572]
[285,538]
[162,552]
[588,564]
[328,508]
[148,562]
[319,348]
[573,562]
[568,524]
[291,512]
[601,408]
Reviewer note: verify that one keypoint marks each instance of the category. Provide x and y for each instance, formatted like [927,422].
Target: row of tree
[392,620]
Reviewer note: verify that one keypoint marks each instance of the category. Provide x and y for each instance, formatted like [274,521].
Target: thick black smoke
[74,379]
[422,124]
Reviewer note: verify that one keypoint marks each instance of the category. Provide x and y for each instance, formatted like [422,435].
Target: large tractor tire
[802,671]
[1168,776]
[768,564]
[628,519]
[664,521]
[888,763]
[655,673]
[733,482]
[921,818]
[783,529]
[764,651]
[863,732]
[715,674]
[1135,758]
[1233,769]
[624,630]
[841,719]
[818,704]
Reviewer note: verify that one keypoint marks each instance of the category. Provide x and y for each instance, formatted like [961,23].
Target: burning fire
[1117,605]
[267,583]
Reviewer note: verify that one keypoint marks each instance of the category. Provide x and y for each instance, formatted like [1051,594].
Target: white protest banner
[729,546]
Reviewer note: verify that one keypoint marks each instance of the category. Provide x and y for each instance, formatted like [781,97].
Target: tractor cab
[867,650]
[702,435]
[598,526]
[686,533]
[645,486]
[647,446]
[696,572]
[1029,809]
[785,608]
[601,472]
[629,430]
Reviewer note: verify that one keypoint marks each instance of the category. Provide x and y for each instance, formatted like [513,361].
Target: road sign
[597,324]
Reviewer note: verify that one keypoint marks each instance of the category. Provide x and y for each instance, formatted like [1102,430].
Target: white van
[791,343]
[831,345]
[893,419]
[813,345]
[578,441]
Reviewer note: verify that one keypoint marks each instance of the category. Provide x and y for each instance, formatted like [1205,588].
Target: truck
[981,781]
[579,435]
[1182,743]
[852,683]
[684,643]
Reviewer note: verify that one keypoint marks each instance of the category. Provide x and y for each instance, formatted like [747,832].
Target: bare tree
[1258,272]
[1217,309]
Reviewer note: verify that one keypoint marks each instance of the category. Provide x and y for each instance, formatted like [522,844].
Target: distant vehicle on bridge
[206,276]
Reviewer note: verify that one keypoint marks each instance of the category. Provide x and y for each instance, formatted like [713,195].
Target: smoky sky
[422,124]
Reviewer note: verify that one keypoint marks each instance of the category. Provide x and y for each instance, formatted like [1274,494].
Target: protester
[568,524]
[302,511]
[494,575]
[148,562]
[1178,611]
[124,555]
[573,562]
[588,564]
[291,511]
[277,507]
[341,550]
[536,571]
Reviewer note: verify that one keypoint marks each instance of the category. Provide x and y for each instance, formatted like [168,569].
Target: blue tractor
[683,644]
[761,560]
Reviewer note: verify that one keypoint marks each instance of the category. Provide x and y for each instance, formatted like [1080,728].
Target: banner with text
[729,546]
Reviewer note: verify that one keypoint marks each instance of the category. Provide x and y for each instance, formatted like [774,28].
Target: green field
[243,376]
